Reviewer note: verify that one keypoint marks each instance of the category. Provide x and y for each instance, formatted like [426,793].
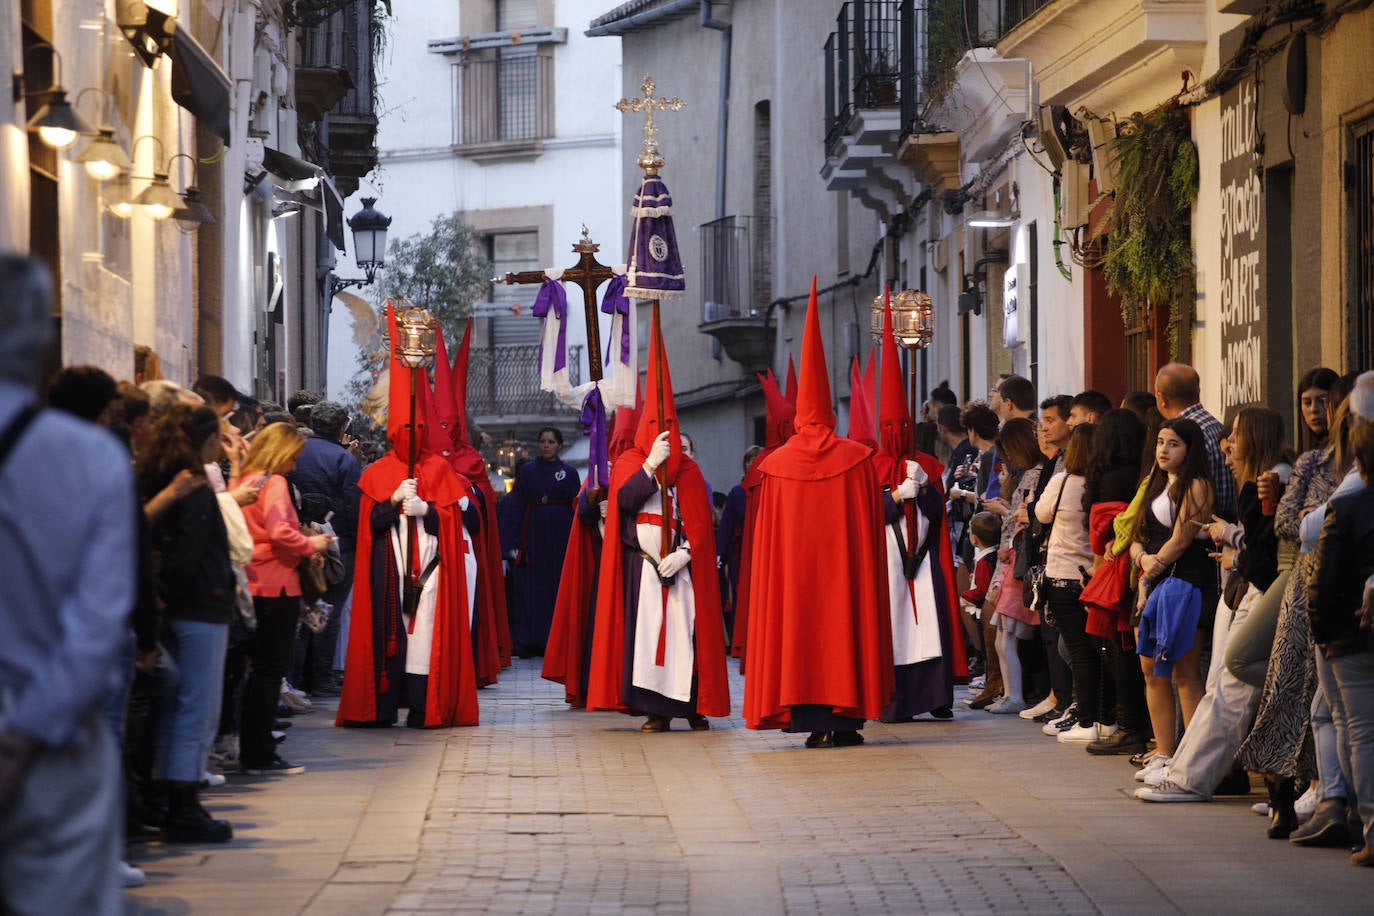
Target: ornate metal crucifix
[649,160]
[587,273]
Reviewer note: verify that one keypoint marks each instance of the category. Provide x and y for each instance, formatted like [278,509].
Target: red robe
[451,697]
[572,612]
[607,678]
[819,631]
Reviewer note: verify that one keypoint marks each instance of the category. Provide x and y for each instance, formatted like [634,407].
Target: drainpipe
[723,112]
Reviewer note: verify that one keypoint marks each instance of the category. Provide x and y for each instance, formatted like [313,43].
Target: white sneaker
[1260,808]
[1306,805]
[1154,763]
[1159,775]
[210,780]
[1168,792]
[1006,706]
[295,702]
[977,684]
[1086,734]
[1055,726]
[132,875]
[1040,708]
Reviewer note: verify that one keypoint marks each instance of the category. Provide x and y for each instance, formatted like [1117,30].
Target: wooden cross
[587,273]
[649,160]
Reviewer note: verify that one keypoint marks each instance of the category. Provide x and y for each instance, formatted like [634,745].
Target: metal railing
[343,41]
[736,280]
[504,382]
[507,97]
[886,53]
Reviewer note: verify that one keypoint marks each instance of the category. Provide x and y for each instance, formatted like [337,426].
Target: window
[1360,187]
[503,84]
[512,252]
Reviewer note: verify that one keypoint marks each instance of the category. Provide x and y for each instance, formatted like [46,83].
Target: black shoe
[656,724]
[1327,828]
[1122,742]
[1282,819]
[820,739]
[136,831]
[698,724]
[1049,715]
[943,712]
[848,739]
[274,767]
[188,822]
[326,691]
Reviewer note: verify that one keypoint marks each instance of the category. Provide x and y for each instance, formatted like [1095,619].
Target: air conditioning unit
[1077,194]
[1105,167]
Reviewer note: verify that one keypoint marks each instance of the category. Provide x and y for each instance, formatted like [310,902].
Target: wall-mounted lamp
[57,123]
[158,199]
[369,227]
[122,197]
[103,157]
[991,219]
[192,210]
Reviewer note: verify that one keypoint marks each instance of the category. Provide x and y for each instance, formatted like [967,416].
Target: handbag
[1033,578]
[313,582]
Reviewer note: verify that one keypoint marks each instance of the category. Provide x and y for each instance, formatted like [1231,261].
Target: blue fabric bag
[1168,625]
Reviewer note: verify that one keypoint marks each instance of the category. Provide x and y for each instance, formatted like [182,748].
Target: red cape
[607,676]
[452,694]
[572,612]
[752,478]
[818,627]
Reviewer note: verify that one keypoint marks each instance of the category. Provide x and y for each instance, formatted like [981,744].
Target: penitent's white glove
[601,507]
[658,452]
[415,507]
[404,491]
[916,473]
[905,490]
[463,504]
[674,562]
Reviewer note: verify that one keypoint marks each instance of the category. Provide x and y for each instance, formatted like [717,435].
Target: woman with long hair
[1250,552]
[1169,542]
[196,584]
[278,549]
[1013,621]
[1293,736]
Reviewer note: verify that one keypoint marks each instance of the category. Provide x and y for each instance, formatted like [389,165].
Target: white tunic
[672,679]
[420,637]
[915,620]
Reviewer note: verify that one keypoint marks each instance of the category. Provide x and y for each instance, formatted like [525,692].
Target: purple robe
[539,517]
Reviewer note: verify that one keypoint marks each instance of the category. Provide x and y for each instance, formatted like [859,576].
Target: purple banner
[553,297]
[612,302]
[594,425]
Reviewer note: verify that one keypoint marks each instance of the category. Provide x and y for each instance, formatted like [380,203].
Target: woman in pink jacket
[278,549]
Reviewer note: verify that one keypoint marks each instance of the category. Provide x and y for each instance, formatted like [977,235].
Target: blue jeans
[193,704]
[1353,715]
[1331,762]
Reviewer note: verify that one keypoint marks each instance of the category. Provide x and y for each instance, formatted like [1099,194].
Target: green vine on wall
[1146,237]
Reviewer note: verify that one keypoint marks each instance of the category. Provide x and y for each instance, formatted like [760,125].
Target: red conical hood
[813,388]
[626,423]
[790,392]
[870,381]
[445,409]
[658,395]
[398,401]
[458,387]
[895,428]
[860,409]
[778,413]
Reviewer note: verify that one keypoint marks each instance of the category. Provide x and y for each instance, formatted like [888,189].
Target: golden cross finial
[649,160]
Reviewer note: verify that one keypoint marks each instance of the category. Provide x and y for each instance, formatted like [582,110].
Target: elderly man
[67,561]
[1178,393]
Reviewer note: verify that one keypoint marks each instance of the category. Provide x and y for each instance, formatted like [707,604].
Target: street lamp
[369,227]
[57,123]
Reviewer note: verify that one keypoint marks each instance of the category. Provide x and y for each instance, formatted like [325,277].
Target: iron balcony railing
[736,279]
[503,98]
[504,382]
[343,41]
[898,53]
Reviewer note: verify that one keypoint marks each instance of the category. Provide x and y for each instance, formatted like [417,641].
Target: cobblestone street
[544,809]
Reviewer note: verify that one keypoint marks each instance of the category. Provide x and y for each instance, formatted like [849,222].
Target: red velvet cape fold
[572,612]
[451,698]
[819,631]
[607,676]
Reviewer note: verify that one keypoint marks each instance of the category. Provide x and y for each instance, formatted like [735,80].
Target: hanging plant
[1146,237]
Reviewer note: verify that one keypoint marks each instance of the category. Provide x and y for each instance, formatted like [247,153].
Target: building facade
[499,111]
[203,228]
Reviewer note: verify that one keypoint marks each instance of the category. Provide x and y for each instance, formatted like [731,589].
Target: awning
[288,172]
[198,83]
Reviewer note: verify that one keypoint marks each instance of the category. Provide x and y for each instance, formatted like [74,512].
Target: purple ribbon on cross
[553,297]
[594,425]
[612,302]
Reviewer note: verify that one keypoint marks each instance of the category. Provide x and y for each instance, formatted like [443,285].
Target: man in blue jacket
[326,477]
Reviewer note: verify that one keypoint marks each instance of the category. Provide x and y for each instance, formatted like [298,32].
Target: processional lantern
[913,319]
[415,327]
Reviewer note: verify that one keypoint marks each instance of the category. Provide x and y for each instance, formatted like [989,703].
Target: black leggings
[271,653]
[1071,620]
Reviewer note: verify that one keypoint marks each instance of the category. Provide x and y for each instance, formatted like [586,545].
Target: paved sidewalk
[543,809]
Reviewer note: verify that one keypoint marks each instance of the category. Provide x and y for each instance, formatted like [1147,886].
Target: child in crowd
[985,531]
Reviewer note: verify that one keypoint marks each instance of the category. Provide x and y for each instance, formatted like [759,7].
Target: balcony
[503,385]
[335,80]
[737,281]
[503,104]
